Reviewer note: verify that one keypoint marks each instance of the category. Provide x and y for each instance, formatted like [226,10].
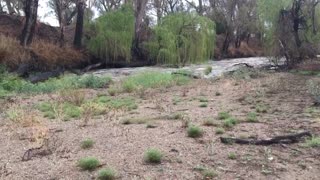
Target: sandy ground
[122,146]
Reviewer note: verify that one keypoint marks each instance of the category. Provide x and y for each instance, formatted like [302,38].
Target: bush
[209,122]
[177,45]
[220,131]
[232,156]
[252,117]
[91,81]
[153,156]
[203,105]
[208,70]
[194,131]
[230,122]
[88,163]
[107,174]
[113,35]
[87,144]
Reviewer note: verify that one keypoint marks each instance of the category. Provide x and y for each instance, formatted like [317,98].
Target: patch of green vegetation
[135,121]
[117,103]
[194,131]
[261,108]
[306,73]
[53,110]
[232,156]
[208,70]
[203,105]
[223,115]
[112,91]
[107,174]
[246,73]
[153,156]
[252,117]
[176,100]
[71,111]
[220,131]
[209,174]
[314,142]
[88,163]
[177,116]
[152,80]
[203,99]
[87,144]
[13,84]
[230,122]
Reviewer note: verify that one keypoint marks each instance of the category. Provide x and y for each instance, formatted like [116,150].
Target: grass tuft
[88,163]
[230,122]
[223,115]
[252,117]
[153,156]
[87,144]
[194,131]
[314,142]
[220,131]
[107,174]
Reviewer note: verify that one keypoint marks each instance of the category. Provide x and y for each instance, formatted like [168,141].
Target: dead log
[40,77]
[286,139]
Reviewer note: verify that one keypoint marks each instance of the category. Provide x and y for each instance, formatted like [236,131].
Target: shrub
[107,174]
[208,70]
[223,115]
[194,131]
[88,163]
[153,156]
[314,89]
[92,81]
[75,97]
[209,122]
[128,103]
[87,144]
[261,108]
[203,105]
[203,99]
[112,91]
[252,117]
[177,45]
[113,35]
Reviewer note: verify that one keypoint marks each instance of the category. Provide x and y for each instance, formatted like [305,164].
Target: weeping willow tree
[182,38]
[113,35]
[290,28]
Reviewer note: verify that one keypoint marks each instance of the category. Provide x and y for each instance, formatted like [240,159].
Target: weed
[230,122]
[153,156]
[91,81]
[208,70]
[261,108]
[112,91]
[87,144]
[22,116]
[232,156]
[117,103]
[75,97]
[220,131]
[88,163]
[314,142]
[71,111]
[107,174]
[223,115]
[194,131]
[203,99]
[252,117]
[209,174]
[203,105]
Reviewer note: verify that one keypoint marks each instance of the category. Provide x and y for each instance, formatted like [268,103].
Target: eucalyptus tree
[31,13]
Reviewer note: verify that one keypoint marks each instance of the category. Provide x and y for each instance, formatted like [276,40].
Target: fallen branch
[286,139]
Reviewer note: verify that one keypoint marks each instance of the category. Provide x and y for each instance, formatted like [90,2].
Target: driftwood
[286,139]
[92,66]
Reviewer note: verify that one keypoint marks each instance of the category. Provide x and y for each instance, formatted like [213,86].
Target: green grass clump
[260,108]
[314,142]
[223,115]
[194,131]
[209,122]
[220,131]
[252,117]
[107,174]
[135,121]
[87,144]
[88,163]
[232,156]
[152,80]
[203,99]
[203,105]
[230,122]
[117,103]
[208,70]
[209,174]
[91,81]
[71,111]
[153,156]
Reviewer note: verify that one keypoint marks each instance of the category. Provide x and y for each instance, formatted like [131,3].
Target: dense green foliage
[113,35]
[10,84]
[182,38]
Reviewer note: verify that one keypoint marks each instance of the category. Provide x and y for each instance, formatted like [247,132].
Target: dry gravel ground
[122,147]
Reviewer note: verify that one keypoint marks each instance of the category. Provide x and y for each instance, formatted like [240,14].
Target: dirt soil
[122,146]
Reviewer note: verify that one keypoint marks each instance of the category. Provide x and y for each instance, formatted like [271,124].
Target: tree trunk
[9,6]
[226,44]
[79,26]
[140,12]
[30,10]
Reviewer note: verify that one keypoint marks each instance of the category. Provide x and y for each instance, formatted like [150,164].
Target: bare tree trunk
[140,12]
[79,26]
[9,6]
[30,10]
